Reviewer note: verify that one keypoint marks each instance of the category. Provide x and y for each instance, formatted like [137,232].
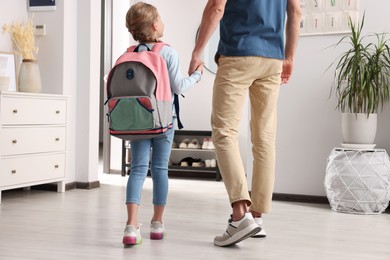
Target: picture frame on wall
[324,17]
[41,5]
[8,80]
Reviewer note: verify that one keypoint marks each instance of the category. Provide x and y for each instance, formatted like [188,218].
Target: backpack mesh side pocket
[131,113]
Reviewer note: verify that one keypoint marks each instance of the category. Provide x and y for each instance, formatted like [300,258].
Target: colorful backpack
[139,95]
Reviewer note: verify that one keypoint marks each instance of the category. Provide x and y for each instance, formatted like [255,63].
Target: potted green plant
[361,84]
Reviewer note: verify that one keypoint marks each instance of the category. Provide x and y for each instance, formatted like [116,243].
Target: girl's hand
[200,68]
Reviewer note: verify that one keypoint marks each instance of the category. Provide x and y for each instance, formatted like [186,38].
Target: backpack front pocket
[131,113]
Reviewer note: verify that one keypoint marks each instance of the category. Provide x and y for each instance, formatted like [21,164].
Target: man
[256,51]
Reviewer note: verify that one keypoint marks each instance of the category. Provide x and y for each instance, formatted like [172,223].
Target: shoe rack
[199,148]
[126,158]
[195,145]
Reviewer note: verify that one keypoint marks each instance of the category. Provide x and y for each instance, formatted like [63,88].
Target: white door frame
[107,54]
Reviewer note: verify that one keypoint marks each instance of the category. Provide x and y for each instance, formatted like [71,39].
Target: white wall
[10,12]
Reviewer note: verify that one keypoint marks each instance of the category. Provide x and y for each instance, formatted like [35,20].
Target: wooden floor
[88,224]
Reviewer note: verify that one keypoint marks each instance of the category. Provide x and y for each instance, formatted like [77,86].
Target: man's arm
[292,35]
[212,14]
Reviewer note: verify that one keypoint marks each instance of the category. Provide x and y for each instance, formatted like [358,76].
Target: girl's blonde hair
[139,22]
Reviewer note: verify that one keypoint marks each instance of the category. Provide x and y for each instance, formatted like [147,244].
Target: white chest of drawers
[32,140]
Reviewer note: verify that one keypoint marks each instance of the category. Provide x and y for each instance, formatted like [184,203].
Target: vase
[359,128]
[29,76]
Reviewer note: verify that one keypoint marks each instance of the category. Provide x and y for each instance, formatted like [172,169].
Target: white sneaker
[207,163]
[198,164]
[261,233]
[213,163]
[210,145]
[194,144]
[132,236]
[157,230]
[237,231]
[205,144]
[184,164]
[184,144]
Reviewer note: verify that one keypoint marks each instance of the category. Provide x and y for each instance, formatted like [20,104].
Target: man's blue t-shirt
[253,28]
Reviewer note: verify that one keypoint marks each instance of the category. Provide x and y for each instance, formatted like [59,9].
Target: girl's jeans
[157,150]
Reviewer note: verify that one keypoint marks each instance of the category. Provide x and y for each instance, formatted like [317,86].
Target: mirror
[210,50]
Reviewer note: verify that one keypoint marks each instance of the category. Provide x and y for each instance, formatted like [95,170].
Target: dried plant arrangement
[22,35]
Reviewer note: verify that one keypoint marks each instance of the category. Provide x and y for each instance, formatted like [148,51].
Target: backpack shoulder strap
[131,48]
[158,46]
[177,110]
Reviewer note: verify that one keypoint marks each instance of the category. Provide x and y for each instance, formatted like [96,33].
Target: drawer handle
[57,139]
[13,172]
[57,111]
[56,166]
[14,141]
[15,111]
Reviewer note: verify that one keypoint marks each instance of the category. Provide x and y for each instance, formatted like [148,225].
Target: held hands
[200,68]
[286,71]
[195,64]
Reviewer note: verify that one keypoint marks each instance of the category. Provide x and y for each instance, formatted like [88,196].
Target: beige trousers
[235,77]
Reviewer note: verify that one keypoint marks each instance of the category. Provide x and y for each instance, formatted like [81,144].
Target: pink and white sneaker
[132,235]
[157,230]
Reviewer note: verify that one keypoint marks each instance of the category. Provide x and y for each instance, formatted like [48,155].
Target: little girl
[144,23]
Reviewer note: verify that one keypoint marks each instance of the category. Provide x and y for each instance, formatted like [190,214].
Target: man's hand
[195,63]
[200,68]
[287,71]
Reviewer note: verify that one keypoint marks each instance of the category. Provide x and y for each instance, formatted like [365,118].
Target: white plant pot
[358,128]
[29,77]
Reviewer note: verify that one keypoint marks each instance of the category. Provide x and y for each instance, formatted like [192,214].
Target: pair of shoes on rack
[132,235]
[187,144]
[189,161]
[208,144]
[210,163]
